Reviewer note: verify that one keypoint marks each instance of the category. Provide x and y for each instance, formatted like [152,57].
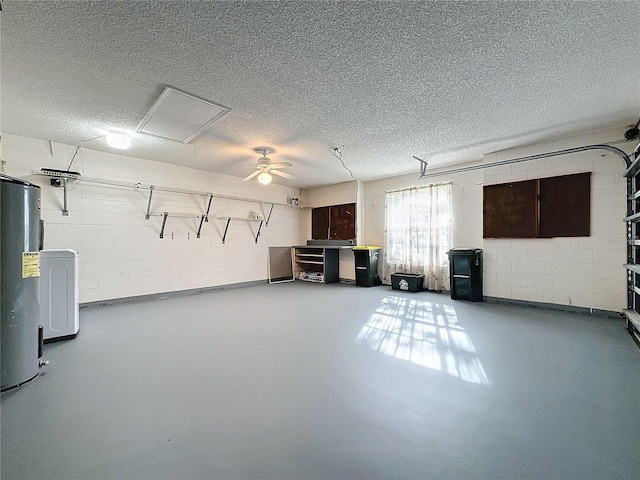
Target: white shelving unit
[632,313]
[65,177]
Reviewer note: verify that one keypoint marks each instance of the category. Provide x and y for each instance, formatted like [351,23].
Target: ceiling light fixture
[264,178]
[119,140]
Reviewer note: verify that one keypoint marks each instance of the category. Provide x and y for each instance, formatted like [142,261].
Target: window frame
[391,254]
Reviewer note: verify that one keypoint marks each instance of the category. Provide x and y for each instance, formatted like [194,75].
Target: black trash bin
[465,270]
[366,260]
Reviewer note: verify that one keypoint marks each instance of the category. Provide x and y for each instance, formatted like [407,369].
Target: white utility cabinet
[59,309]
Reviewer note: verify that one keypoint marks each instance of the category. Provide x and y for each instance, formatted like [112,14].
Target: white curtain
[418,234]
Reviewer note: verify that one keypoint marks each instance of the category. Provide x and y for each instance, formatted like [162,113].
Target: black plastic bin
[409,282]
[366,260]
[465,271]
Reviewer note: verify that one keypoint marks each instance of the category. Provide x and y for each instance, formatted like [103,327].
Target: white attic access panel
[179,116]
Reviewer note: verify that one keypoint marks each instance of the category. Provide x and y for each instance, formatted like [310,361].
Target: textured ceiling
[446,81]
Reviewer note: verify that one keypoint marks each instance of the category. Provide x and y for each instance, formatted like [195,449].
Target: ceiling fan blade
[257,172]
[281,165]
[281,174]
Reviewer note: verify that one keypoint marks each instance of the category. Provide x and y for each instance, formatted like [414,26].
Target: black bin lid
[464,251]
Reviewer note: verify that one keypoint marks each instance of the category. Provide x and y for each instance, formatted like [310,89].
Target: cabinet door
[565,206]
[320,223]
[510,210]
[343,221]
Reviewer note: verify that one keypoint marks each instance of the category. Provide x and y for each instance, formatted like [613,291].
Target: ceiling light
[264,178]
[119,140]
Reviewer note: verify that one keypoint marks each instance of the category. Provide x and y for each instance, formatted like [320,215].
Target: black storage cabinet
[366,261]
[465,270]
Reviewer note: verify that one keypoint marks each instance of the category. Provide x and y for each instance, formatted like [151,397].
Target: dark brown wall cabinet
[509,210]
[320,223]
[336,222]
[541,208]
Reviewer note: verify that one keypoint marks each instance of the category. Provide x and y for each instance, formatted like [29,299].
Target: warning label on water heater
[30,264]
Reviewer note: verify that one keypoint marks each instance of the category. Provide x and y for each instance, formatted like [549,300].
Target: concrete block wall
[122,256]
[583,271]
[338,194]
[580,271]
[120,253]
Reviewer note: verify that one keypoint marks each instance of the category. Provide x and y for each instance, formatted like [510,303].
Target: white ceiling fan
[264,167]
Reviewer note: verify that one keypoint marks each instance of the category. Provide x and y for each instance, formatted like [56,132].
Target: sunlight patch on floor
[424,333]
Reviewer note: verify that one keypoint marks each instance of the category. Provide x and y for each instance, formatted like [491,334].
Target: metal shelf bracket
[226,228]
[205,216]
[228,219]
[259,227]
[269,216]
[164,222]
[151,187]
[65,211]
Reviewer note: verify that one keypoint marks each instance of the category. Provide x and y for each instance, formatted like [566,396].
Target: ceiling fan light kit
[265,169]
[264,178]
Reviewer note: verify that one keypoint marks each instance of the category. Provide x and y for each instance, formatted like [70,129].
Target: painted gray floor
[329,381]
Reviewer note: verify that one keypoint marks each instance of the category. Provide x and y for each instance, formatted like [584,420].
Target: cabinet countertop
[336,247]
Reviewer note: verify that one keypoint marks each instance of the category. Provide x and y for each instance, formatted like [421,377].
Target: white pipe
[360,212]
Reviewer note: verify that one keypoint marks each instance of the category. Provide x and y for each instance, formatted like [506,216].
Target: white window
[418,233]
